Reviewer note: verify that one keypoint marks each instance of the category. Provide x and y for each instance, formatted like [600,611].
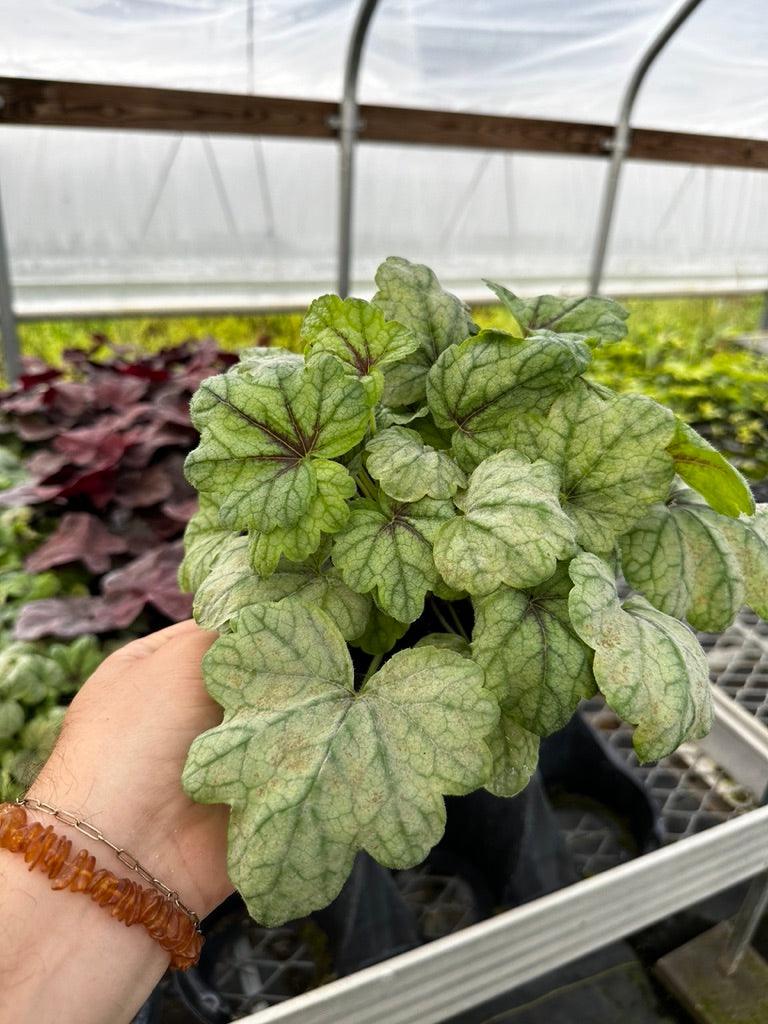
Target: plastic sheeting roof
[125,220]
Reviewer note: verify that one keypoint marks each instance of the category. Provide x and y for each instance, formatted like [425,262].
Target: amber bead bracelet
[157,908]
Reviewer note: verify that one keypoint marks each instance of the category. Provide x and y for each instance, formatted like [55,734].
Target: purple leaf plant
[104,444]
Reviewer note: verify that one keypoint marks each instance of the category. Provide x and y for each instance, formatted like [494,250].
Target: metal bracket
[336,123]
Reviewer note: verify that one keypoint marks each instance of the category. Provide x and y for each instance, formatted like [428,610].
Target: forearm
[63,958]
[117,767]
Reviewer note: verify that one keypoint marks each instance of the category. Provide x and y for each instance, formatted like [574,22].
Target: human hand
[118,763]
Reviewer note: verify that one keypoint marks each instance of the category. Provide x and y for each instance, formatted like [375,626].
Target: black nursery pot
[496,853]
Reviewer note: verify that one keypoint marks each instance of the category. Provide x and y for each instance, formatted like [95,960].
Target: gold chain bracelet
[66,818]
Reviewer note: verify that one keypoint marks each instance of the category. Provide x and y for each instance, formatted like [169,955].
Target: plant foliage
[409,540]
[102,447]
[694,365]
[36,679]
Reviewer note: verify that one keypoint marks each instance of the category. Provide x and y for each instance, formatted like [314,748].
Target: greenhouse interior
[476,513]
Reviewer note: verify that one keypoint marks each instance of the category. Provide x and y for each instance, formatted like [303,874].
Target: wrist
[63,958]
[178,841]
[155,907]
[122,836]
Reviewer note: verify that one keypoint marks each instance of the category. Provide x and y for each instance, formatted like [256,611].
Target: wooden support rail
[90,105]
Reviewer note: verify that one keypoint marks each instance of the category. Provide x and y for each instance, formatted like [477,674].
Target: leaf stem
[365,485]
[439,615]
[372,667]
[457,621]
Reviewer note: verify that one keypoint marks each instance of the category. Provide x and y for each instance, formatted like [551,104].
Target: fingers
[145,674]
[148,645]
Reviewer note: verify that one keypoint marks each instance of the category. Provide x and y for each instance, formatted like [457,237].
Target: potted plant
[409,539]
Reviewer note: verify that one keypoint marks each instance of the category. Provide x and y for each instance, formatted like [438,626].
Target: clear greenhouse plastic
[127,220]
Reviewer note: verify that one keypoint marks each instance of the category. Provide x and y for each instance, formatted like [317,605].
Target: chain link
[126,858]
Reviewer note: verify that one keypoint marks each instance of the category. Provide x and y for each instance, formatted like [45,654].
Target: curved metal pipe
[619,144]
[349,127]
[8,331]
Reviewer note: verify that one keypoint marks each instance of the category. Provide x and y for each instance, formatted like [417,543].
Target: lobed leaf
[387,550]
[203,538]
[232,585]
[593,316]
[356,332]
[327,512]
[315,771]
[680,558]
[411,294]
[514,753]
[535,665]
[408,469]
[650,667]
[262,432]
[749,539]
[381,632]
[450,641]
[79,537]
[513,531]
[477,388]
[611,452]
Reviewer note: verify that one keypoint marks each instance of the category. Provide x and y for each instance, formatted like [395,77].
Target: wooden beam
[486,131]
[85,105]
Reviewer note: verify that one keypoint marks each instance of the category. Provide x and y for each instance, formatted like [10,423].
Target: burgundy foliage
[105,444]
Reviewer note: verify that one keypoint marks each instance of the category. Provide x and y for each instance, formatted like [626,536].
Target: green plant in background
[409,539]
[684,354]
[49,340]
[35,678]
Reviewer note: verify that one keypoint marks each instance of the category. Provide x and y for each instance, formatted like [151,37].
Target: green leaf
[407,469]
[650,667]
[315,771]
[77,658]
[477,388]
[535,665]
[233,585]
[592,316]
[708,472]
[448,641]
[328,512]
[250,358]
[513,530]
[749,539]
[40,733]
[680,558]
[27,675]
[262,433]
[411,294]
[515,754]
[11,718]
[356,333]
[611,452]
[203,538]
[388,550]
[381,632]
[17,586]
[386,417]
